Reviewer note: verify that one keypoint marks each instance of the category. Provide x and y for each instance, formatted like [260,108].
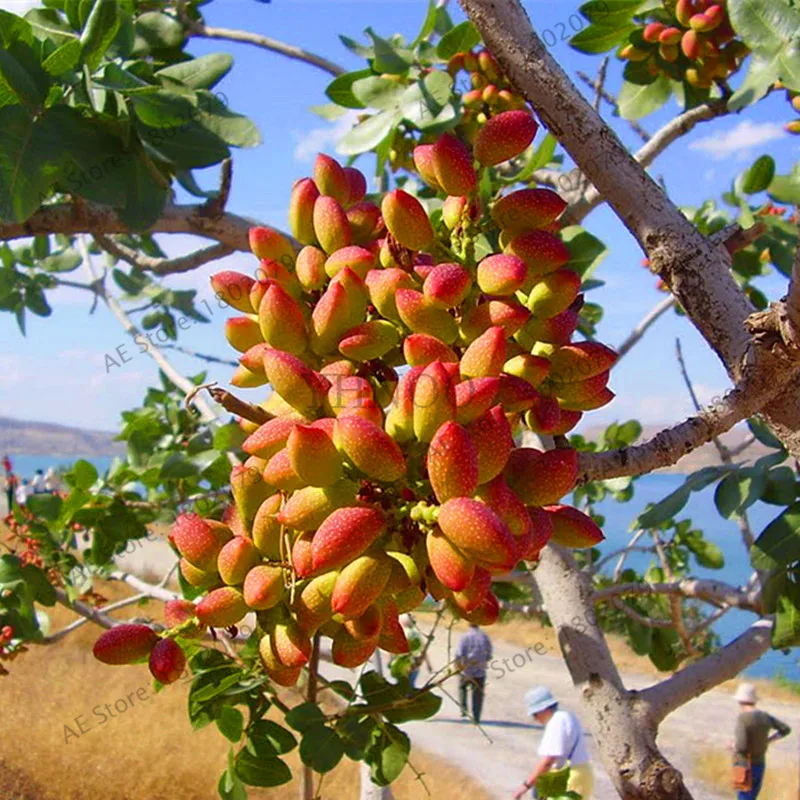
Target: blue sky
[58,371]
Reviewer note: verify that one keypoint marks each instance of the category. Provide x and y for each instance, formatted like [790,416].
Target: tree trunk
[619,723]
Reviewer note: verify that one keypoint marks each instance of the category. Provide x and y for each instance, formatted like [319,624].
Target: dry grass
[713,767]
[147,751]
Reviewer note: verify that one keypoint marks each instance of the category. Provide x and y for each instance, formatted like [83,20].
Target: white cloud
[311,142]
[739,140]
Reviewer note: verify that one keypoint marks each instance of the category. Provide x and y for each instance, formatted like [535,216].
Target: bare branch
[202,31]
[146,589]
[206,412]
[697,678]
[670,445]
[660,141]
[81,621]
[163,266]
[239,407]
[639,331]
[716,593]
[72,218]
[612,101]
[215,206]
[201,356]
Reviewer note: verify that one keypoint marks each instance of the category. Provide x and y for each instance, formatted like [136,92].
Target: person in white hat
[754,733]
[562,744]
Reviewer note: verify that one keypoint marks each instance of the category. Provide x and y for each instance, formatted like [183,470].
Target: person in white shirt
[37,483]
[50,480]
[23,490]
[562,744]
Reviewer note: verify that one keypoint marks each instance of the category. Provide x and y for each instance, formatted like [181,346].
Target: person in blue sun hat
[562,745]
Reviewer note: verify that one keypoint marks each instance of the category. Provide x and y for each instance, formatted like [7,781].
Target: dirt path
[501,753]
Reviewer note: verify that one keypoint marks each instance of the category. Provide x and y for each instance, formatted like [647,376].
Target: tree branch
[206,412]
[72,219]
[697,678]
[163,266]
[669,446]
[716,593]
[201,31]
[654,146]
[612,101]
[649,319]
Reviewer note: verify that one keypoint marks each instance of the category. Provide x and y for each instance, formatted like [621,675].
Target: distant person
[22,492]
[37,484]
[473,654]
[7,466]
[50,480]
[11,482]
[562,745]
[753,736]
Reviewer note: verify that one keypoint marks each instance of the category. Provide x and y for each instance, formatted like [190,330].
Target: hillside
[46,438]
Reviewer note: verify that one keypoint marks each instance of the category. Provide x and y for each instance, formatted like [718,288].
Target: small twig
[639,331]
[612,101]
[267,43]
[162,266]
[214,207]
[239,407]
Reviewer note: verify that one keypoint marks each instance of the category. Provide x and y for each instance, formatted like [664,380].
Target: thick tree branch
[697,678]
[202,31]
[717,593]
[163,266]
[669,446]
[71,219]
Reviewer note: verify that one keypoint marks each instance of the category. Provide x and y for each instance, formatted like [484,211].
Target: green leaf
[187,147]
[759,176]
[278,739]
[779,543]
[368,134]
[761,75]
[665,509]
[234,129]
[586,250]
[261,771]
[43,590]
[230,786]
[61,262]
[388,754]
[124,81]
[787,619]
[726,495]
[321,748]
[428,25]
[340,89]
[28,163]
[204,72]
[157,31]
[607,10]
[63,59]
[636,101]
[164,108]
[663,652]
[770,30]
[101,29]
[15,79]
[378,92]
[781,488]
[786,188]
[230,722]
[600,37]
[763,433]
[82,475]
[424,706]
[389,58]
[145,195]
[46,506]
[304,716]
[708,554]
[458,40]
[228,437]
